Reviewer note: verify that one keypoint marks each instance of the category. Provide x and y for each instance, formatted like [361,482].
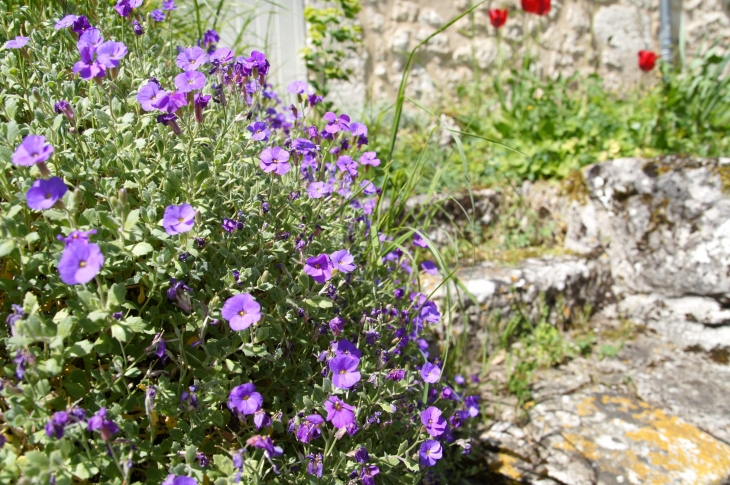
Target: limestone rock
[405,11]
[430,17]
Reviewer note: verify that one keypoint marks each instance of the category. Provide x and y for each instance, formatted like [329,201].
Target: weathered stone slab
[607,438]
[559,285]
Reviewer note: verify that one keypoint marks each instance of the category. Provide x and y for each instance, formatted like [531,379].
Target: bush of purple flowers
[191,275]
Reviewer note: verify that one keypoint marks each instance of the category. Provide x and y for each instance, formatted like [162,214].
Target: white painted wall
[276,28]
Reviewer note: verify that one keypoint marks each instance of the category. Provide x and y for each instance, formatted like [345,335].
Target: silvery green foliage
[206,301]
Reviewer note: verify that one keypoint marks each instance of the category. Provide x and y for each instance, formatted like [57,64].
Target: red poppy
[538,7]
[647,60]
[498,17]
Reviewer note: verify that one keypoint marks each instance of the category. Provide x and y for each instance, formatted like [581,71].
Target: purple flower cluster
[320,267]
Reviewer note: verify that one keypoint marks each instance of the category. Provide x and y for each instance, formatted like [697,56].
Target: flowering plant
[193,282]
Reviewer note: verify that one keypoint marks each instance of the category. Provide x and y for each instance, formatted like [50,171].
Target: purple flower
[81,25]
[345,347]
[359,129]
[275,160]
[189,81]
[304,146]
[203,459]
[343,261]
[344,371]
[339,412]
[433,421]
[65,22]
[266,444]
[245,399]
[369,158]
[178,219]
[335,123]
[32,150]
[368,188]
[170,102]
[137,28]
[200,102]
[222,55]
[56,426]
[191,58]
[430,268]
[430,452]
[459,379]
[80,263]
[149,94]
[347,164]
[87,67]
[91,38]
[44,193]
[259,132]
[110,53]
[16,315]
[176,480]
[396,375]
[17,43]
[315,465]
[76,236]
[318,190]
[157,15]
[98,422]
[297,87]
[310,429]
[259,62]
[241,311]
[430,373]
[419,241]
[65,108]
[337,324]
[210,37]
[169,5]
[472,405]
[367,473]
[319,268]
[261,419]
[361,455]
[229,225]
[123,8]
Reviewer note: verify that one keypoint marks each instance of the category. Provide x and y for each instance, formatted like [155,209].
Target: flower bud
[78,197]
[113,201]
[36,95]
[198,217]
[44,169]
[265,276]
[123,196]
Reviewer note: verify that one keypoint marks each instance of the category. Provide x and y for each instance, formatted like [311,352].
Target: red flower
[647,60]
[498,17]
[538,7]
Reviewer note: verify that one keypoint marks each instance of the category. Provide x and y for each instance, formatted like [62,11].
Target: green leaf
[115,295]
[55,215]
[190,454]
[121,333]
[140,249]
[80,349]
[98,315]
[391,460]
[411,465]
[6,247]
[403,447]
[103,344]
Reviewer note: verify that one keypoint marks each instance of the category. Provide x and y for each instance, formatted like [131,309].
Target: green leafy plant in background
[332,32]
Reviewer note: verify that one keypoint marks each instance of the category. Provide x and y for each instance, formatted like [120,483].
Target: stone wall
[577,35]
